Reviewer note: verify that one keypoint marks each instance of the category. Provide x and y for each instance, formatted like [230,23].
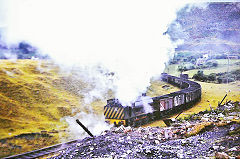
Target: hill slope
[34,98]
[214,28]
[36,95]
[31,100]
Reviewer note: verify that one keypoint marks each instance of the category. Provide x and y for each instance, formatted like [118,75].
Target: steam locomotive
[161,106]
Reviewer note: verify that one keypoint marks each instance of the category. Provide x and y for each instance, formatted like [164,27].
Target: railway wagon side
[161,106]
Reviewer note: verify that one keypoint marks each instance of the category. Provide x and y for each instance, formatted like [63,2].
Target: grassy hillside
[30,99]
[223,67]
[35,96]
[32,103]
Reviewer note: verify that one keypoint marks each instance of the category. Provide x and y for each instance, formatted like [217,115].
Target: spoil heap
[209,133]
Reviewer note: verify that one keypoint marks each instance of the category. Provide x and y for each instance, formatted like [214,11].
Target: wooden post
[84,128]
[222,100]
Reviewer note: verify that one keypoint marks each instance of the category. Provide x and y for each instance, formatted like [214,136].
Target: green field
[222,67]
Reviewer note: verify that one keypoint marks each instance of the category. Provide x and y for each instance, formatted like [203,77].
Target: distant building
[205,56]
[201,61]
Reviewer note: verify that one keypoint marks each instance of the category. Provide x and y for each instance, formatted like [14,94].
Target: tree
[212,77]
[200,76]
[181,68]
[215,64]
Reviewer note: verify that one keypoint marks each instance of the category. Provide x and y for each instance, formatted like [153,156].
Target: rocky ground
[212,133]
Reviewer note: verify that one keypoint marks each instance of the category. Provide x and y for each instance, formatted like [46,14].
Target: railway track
[44,151]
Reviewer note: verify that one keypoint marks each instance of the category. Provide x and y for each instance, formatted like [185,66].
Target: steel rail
[43,151]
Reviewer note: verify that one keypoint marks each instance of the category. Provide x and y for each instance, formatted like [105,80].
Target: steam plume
[124,36]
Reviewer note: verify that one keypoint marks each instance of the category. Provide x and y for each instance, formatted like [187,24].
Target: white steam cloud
[124,36]
[95,127]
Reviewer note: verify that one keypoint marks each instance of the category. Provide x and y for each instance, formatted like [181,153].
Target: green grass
[222,67]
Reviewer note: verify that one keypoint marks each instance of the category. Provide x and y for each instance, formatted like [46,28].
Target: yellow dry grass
[158,88]
[34,96]
[214,93]
[197,128]
[211,94]
[29,100]
[16,146]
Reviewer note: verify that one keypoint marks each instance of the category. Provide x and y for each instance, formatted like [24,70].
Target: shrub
[214,64]
[200,76]
[219,79]
[212,77]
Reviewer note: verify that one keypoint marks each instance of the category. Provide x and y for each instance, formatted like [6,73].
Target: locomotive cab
[136,114]
[117,114]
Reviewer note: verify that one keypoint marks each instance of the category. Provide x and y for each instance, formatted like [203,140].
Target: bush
[182,68]
[200,76]
[212,77]
[214,64]
[211,64]
[223,77]
[223,56]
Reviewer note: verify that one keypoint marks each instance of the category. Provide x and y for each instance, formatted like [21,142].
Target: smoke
[126,37]
[145,100]
[97,82]
[117,45]
[93,122]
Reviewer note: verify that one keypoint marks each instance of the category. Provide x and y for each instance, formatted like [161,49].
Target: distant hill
[21,50]
[211,29]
